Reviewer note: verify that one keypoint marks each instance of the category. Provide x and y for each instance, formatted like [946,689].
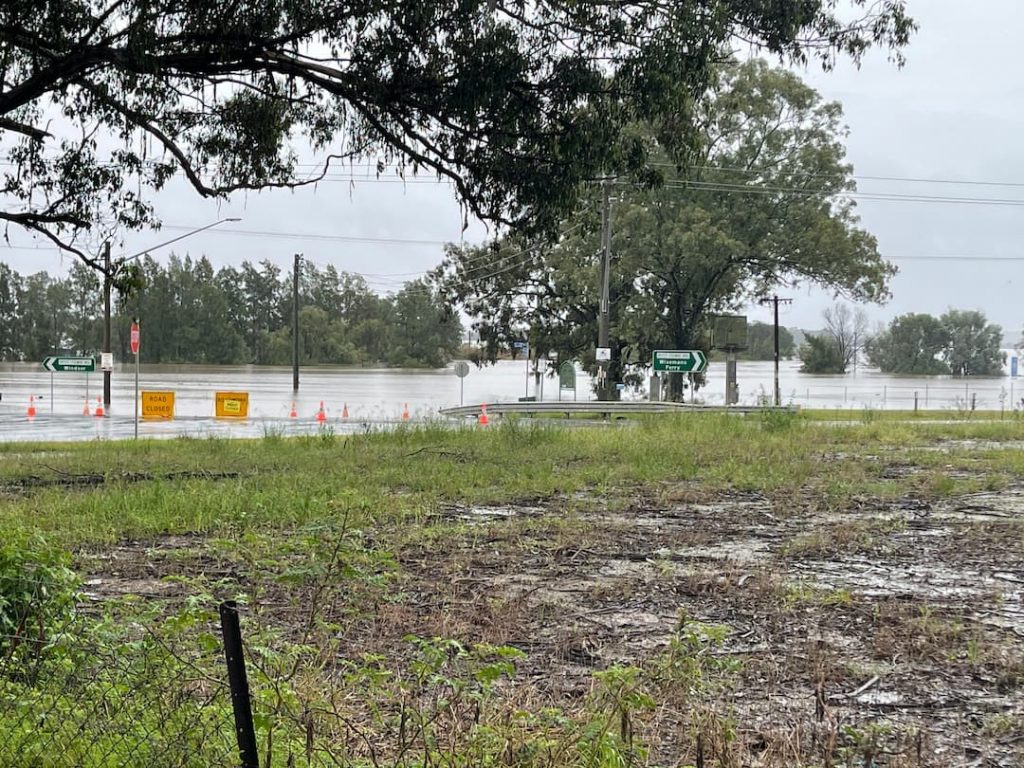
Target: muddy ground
[893,625]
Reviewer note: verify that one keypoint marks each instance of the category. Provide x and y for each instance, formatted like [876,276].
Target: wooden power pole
[775,301]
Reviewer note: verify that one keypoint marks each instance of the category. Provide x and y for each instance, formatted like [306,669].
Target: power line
[316,236]
[866,196]
[482,258]
[863,177]
[343,166]
[345,172]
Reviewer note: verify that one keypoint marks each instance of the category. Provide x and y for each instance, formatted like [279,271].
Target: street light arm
[140,254]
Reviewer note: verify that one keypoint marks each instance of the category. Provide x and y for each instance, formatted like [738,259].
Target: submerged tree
[765,205]
[974,344]
[516,102]
[961,342]
[912,344]
[761,341]
[820,353]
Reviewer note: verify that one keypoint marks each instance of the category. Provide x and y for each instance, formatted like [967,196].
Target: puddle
[879,698]
[743,551]
[1005,504]
[922,580]
[998,597]
[733,508]
[947,446]
[487,514]
[104,588]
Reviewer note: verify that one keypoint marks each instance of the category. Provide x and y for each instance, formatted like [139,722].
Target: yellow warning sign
[232,405]
[158,405]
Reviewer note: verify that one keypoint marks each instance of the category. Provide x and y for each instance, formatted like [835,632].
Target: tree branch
[37,134]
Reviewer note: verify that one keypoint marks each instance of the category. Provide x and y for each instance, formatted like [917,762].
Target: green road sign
[567,375]
[679,360]
[69,364]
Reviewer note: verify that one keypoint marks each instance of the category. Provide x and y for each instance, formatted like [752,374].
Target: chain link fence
[90,684]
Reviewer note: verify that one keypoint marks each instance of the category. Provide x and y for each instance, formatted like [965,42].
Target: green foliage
[426,331]
[974,344]
[124,684]
[691,665]
[517,103]
[230,316]
[761,341]
[960,342]
[780,420]
[38,593]
[912,344]
[821,354]
[696,246]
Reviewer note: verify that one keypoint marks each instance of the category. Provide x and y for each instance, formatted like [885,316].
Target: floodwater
[373,397]
[378,397]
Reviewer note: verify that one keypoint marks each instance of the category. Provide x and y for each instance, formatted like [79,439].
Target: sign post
[157,406]
[231,405]
[462,371]
[57,364]
[567,378]
[679,360]
[134,340]
[689,361]
[525,346]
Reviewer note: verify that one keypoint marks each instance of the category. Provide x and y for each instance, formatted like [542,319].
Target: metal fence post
[239,683]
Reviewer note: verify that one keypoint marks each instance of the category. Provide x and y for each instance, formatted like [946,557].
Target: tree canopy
[840,345]
[761,341]
[974,344]
[765,205]
[961,342]
[228,316]
[820,353]
[516,102]
[912,344]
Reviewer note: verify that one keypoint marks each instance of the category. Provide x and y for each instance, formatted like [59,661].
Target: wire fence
[83,684]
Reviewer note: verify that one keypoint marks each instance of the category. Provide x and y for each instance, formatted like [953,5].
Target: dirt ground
[894,624]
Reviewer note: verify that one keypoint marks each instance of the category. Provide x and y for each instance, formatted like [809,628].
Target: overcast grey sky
[954,112]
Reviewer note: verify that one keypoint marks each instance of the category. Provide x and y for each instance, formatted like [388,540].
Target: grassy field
[696,590]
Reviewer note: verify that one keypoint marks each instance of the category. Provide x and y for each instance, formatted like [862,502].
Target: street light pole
[108,282]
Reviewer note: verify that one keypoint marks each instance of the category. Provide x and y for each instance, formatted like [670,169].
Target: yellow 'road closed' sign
[232,405]
[158,405]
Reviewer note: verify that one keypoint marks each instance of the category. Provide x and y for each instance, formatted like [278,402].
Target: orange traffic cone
[344,411]
[99,406]
[31,406]
[293,414]
[483,415]
[85,408]
[405,412]
[320,415]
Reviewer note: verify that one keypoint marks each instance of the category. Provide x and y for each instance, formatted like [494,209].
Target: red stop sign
[135,338]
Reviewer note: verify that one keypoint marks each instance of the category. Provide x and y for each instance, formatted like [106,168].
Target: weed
[779,420]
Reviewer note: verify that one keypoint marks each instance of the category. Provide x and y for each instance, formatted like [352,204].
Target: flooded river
[380,396]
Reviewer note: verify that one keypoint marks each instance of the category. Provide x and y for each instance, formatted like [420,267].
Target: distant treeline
[191,313]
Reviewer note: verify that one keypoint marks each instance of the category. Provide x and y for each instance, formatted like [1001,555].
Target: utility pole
[775,300]
[604,309]
[107,283]
[295,323]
